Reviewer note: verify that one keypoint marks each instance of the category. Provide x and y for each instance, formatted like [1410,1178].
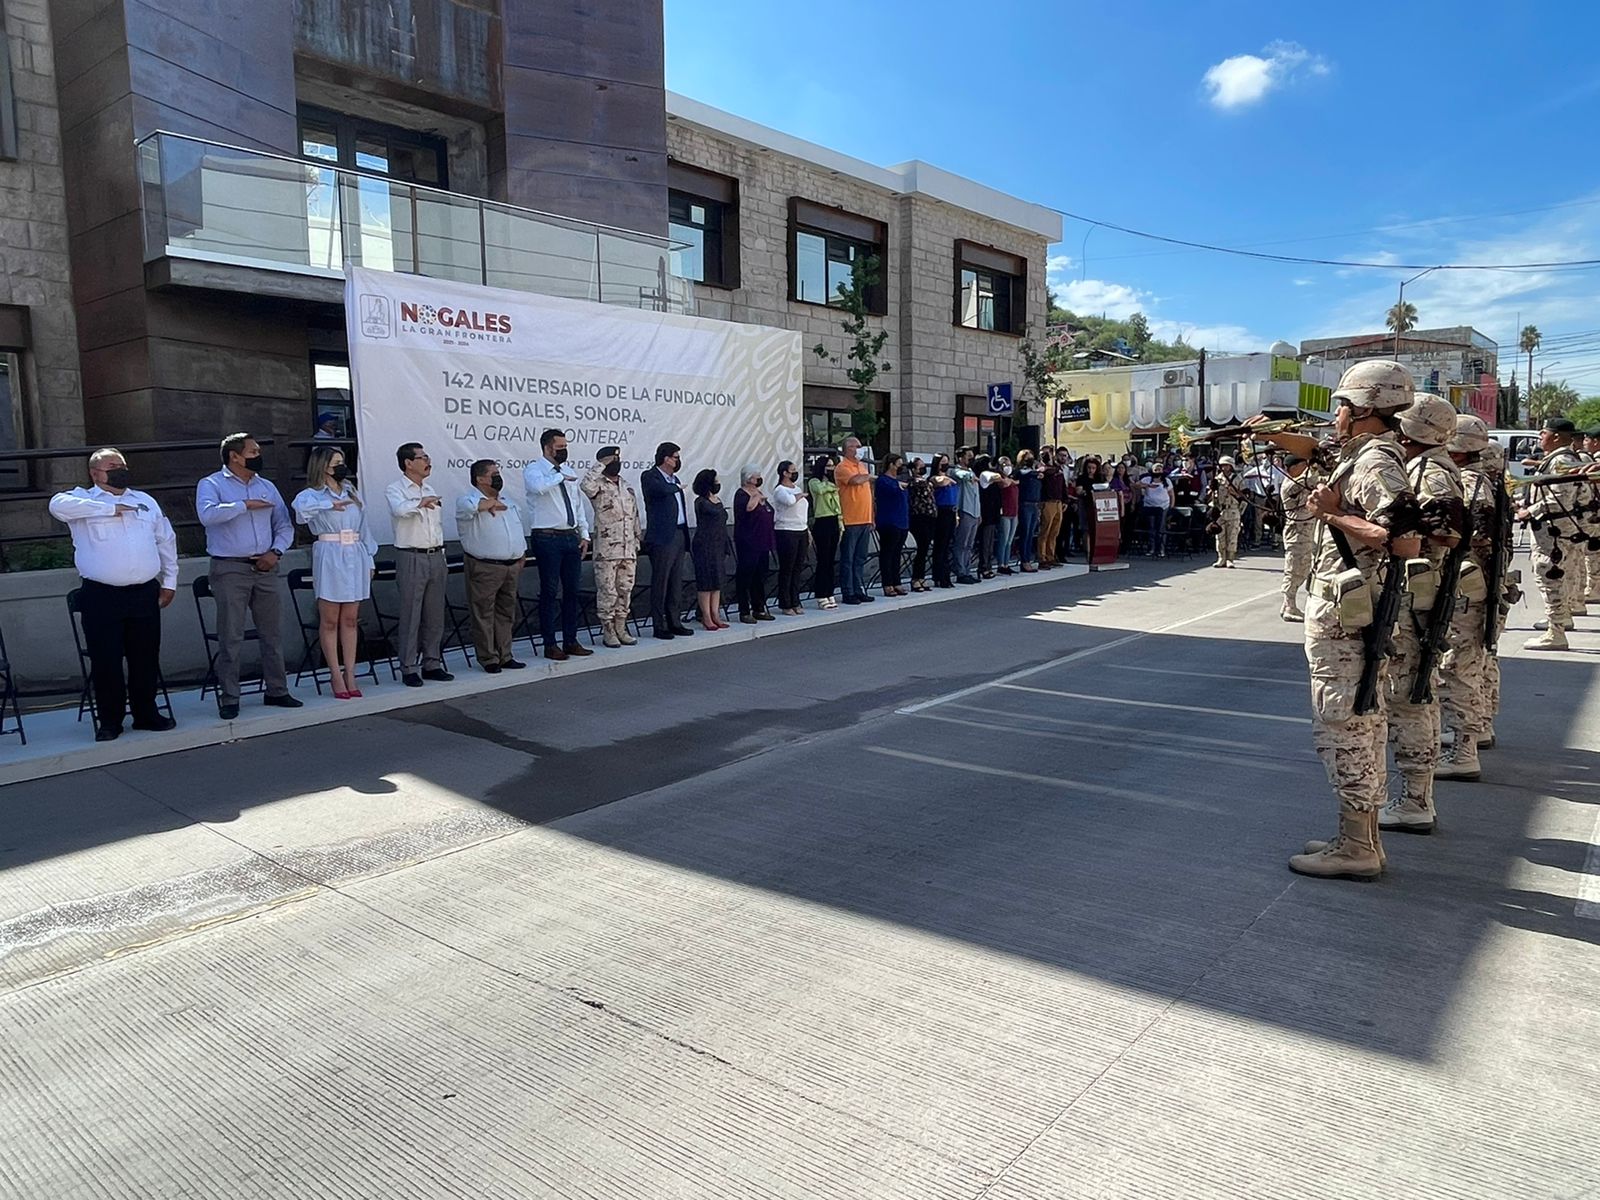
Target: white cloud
[1100,297]
[1056,273]
[1245,79]
[1096,297]
[1304,282]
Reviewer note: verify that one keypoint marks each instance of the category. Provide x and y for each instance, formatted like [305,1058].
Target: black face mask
[340,473]
[497,481]
[119,477]
[254,463]
[613,468]
[561,456]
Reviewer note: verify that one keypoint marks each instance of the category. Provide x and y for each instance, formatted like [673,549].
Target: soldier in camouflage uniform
[1414,729]
[1503,590]
[1368,499]
[1227,498]
[616,544]
[1466,697]
[1558,536]
[1590,591]
[1299,533]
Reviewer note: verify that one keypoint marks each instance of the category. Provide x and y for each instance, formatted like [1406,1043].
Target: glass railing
[224,204]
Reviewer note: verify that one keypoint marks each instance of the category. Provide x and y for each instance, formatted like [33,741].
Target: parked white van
[1518,445]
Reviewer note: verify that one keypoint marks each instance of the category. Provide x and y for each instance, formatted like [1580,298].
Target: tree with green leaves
[860,363]
[1402,318]
[1508,406]
[1553,399]
[1039,367]
[1529,342]
[1585,413]
[1138,332]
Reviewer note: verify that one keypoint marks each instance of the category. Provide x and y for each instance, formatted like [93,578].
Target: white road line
[1254,747]
[1589,882]
[1188,753]
[1229,676]
[1188,708]
[1079,654]
[1092,789]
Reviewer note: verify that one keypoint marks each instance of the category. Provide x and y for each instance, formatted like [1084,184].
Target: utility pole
[1202,383]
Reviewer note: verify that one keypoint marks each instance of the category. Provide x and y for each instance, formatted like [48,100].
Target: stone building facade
[772,188]
[39,380]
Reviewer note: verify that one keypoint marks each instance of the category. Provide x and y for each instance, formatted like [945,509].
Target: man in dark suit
[666,537]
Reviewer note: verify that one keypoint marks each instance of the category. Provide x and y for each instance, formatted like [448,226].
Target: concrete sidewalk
[993,908]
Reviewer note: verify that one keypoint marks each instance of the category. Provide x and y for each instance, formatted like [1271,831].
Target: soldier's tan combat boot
[1550,639]
[623,636]
[1460,762]
[1412,811]
[1290,613]
[1356,853]
[1317,847]
[1564,623]
[608,635]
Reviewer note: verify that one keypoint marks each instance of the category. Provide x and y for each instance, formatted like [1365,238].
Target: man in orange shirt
[855,504]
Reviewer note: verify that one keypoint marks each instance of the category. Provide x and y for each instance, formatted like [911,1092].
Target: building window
[703,211]
[975,428]
[14,475]
[827,247]
[828,417]
[351,142]
[991,288]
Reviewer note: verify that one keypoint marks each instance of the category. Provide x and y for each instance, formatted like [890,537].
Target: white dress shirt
[792,506]
[415,527]
[492,535]
[546,484]
[118,549]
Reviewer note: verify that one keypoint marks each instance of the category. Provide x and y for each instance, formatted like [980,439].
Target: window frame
[10,149]
[695,185]
[1000,267]
[348,130]
[839,230]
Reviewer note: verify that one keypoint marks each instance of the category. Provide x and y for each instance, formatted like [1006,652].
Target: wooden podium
[1105,531]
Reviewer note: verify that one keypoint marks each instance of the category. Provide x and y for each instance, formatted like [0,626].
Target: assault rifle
[1499,552]
[1435,637]
[1377,638]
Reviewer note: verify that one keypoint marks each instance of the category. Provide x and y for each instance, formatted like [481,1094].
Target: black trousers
[944,545]
[123,623]
[791,558]
[922,527]
[666,581]
[891,550]
[826,531]
[750,583]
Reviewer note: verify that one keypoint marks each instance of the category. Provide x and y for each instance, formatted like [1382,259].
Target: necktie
[572,521]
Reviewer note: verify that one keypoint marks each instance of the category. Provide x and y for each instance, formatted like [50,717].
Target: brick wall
[34,266]
[934,360]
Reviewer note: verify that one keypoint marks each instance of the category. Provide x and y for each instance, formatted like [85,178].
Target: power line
[1584,263]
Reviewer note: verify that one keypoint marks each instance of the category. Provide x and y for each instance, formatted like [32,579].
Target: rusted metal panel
[449,47]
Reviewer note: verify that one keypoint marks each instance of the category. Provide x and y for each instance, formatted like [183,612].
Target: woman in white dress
[341,561]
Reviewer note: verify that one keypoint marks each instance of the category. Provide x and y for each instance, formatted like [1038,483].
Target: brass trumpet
[1288,425]
[1571,475]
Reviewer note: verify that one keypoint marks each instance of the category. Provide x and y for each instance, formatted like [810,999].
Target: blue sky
[1396,132]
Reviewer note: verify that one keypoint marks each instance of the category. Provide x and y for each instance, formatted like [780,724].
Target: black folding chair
[213,643]
[386,645]
[86,701]
[302,591]
[457,611]
[8,696]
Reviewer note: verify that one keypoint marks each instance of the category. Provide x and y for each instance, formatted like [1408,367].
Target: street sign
[1000,404]
[1072,410]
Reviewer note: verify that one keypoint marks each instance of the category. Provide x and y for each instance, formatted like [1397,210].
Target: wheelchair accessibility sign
[1000,404]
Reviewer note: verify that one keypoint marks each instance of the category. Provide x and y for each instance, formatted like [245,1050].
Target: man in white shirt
[559,530]
[127,554]
[419,566]
[496,548]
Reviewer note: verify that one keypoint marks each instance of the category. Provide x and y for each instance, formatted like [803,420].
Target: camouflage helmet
[1471,435]
[1493,456]
[1429,419]
[1226,461]
[1377,383]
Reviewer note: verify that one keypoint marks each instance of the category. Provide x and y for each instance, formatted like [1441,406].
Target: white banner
[474,372]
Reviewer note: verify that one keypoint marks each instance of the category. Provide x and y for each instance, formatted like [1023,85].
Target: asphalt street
[982,899]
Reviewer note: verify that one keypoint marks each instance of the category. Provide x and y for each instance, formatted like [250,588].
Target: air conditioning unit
[1176,379]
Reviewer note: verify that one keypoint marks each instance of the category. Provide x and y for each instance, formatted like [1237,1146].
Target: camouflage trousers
[1413,728]
[613,586]
[1552,560]
[1228,538]
[1591,573]
[1297,552]
[1467,690]
[1350,746]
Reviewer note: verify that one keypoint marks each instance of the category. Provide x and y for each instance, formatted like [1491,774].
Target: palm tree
[1529,343]
[1402,318]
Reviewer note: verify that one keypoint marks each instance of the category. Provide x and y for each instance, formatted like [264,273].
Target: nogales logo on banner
[450,324]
